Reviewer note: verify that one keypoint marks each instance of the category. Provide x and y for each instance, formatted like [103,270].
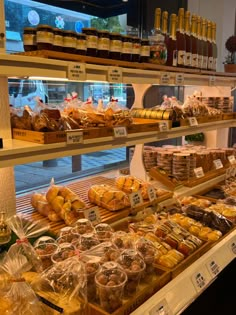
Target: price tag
[161,308]
[218,164]
[179,79]
[93,215]
[199,172]
[165,78]
[192,121]
[152,193]
[115,75]
[76,71]
[199,280]
[136,199]
[213,267]
[212,80]
[231,159]
[232,247]
[73,137]
[120,132]
[163,126]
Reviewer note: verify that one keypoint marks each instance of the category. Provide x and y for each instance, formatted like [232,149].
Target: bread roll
[57,203]
[53,216]
[37,197]
[52,192]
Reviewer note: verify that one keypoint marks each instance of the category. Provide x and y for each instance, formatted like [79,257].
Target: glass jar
[158,50]
[29,39]
[69,42]
[115,46]
[127,48]
[44,37]
[92,40]
[58,40]
[136,49]
[5,231]
[81,46]
[103,44]
[145,51]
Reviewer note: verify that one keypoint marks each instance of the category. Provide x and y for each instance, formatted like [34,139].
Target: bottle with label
[213,35]
[172,43]
[210,47]
[200,42]
[188,60]
[164,28]
[145,50]
[181,41]
[194,41]
[205,46]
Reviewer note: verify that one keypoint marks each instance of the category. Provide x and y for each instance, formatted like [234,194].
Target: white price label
[232,247]
[120,132]
[193,121]
[213,267]
[136,199]
[199,172]
[165,78]
[73,137]
[163,126]
[76,71]
[179,79]
[218,164]
[199,280]
[231,159]
[212,80]
[115,75]
[152,193]
[162,308]
[93,215]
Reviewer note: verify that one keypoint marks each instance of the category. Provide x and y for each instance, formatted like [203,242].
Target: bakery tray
[201,120]
[23,204]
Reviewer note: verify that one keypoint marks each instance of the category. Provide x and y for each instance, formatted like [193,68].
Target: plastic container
[87,241]
[83,226]
[63,252]
[158,50]
[103,232]
[123,240]
[29,39]
[110,284]
[45,252]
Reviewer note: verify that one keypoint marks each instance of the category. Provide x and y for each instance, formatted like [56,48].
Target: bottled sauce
[172,43]
[136,51]
[115,46]
[205,46]
[92,40]
[210,47]
[145,50]
[127,48]
[213,35]
[180,37]
[29,39]
[44,37]
[194,41]
[158,50]
[200,42]
[188,60]
[164,28]
[103,44]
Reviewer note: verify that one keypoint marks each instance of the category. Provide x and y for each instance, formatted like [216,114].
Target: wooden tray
[209,175]
[227,116]
[201,120]
[155,173]
[144,292]
[23,204]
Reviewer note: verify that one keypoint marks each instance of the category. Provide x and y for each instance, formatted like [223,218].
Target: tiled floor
[37,174]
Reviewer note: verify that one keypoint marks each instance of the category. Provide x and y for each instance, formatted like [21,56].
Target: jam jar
[127,48]
[145,50]
[115,46]
[136,49]
[58,39]
[92,40]
[103,44]
[44,37]
[81,46]
[69,42]
[29,39]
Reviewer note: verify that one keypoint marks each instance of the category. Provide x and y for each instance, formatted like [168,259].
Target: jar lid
[104,31]
[30,29]
[115,34]
[89,29]
[58,30]
[81,35]
[44,26]
[70,33]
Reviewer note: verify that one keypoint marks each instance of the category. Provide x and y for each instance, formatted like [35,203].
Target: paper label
[165,78]
[213,267]
[193,121]
[162,308]
[199,172]
[152,193]
[199,281]
[212,80]
[93,215]
[232,247]
[179,79]
[163,126]
[76,71]
[115,75]
[136,199]
[73,137]
[218,164]
[231,159]
[120,132]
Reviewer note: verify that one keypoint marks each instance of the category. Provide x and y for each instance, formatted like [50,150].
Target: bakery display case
[195,274]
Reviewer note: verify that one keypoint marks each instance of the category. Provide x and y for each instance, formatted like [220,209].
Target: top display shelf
[62,66]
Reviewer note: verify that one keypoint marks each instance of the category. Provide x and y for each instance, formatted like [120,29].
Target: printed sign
[120,132]
[165,78]
[115,75]
[136,199]
[218,164]
[93,215]
[213,267]
[73,137]
[199,172]
[193,121]
[76,71]
[179,79]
